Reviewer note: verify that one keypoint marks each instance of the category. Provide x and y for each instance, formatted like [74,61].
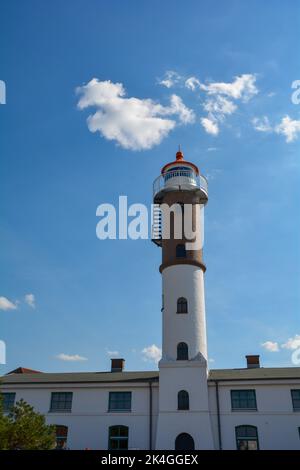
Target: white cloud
[136,124]
[292,343]
[6,304]
[220,95]
[140,124]
[186,115]
[152,353]
[192,83]
[112,353]
[270,346]
[212,149]
[219,106]
[290,128]
[213,174]
[170,79]
[70,357]
[210,126]
[243,87]
[262,124]
[30,300]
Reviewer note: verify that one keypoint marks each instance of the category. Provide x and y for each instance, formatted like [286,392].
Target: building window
[119,401]
[182,305]
[243,400]
[184,441]
[61,437]
[182,352]
[296,399]
[246,438]
[118,438]
[61,402]
[183,400]
[180,251]
[8,401]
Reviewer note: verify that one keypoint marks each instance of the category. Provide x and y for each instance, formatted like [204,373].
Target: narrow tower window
[182,352]
[180,251]
[182,305]
[183,400]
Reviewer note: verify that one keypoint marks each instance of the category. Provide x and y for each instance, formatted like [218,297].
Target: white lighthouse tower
[183,420]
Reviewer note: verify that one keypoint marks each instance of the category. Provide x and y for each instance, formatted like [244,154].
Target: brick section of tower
[194,257]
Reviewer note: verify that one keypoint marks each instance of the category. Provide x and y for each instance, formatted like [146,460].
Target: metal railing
[190,179]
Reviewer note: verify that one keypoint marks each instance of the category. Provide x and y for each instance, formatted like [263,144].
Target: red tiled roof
[23,370]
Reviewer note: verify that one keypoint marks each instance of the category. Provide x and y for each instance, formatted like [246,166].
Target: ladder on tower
[156,224]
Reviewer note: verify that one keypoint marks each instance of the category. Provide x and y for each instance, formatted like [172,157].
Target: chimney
[253,362]
[117,365]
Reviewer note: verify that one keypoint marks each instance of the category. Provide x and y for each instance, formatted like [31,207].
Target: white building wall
[192,377]
[89,421]
[187,281]
[183,281]
[277,424]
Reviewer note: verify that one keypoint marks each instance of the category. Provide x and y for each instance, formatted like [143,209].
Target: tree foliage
[25,429]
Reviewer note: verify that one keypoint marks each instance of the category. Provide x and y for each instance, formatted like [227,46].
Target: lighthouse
[179,195]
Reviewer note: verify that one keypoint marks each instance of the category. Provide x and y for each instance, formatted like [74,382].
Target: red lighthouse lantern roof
[180,161]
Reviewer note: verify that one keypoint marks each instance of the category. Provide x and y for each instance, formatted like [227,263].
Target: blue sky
[91,297]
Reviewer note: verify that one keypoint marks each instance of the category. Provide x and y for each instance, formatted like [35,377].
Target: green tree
[25,429]
[4,422]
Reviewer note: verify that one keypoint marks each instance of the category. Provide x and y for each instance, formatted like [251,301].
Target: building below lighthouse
[184,405]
